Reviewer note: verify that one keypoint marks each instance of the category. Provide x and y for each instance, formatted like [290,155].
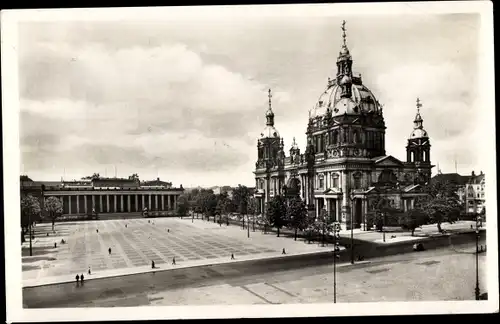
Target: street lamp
[477,291]
[335,256]
[352,227]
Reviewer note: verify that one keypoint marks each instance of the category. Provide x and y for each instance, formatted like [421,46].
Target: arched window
[412,156]
[355,136]
[335,180]
[357,180]
[335,137]
[424,156]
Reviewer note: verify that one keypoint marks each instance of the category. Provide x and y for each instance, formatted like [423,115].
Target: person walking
[283,252]
[77,279]
[109,251]
[81,278]
[232,256]
[89,272]
[173,261]
[152,264]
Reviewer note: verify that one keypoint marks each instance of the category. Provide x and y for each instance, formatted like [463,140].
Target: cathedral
[344,169]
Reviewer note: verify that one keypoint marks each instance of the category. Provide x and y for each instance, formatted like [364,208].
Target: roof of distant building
[458,179]
[156,182]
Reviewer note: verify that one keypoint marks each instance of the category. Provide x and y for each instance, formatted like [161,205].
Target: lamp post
[352,228]
[477,291]
[335,256]
[248,226]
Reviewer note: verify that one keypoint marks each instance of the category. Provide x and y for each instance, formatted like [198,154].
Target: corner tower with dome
[344,169]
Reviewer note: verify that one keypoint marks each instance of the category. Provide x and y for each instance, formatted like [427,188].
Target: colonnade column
[85,204]
[175,202]
[129,198]
[69,205]
[162,202]
[107,203]
[114,204]
[136,202]
[169,203]
[93,201]
[338,210]
[327,203]
[156,201]
[121,203]
[77,204]
[365,211]
[149,202]
[317,207]
[100,204]
[143,199]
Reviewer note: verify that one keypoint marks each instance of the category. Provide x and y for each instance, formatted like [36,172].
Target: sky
[184,99]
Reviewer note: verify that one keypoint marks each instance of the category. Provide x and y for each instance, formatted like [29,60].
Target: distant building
[471,189]
[106,195]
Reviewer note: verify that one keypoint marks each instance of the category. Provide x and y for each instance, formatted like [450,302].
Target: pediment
[388,161]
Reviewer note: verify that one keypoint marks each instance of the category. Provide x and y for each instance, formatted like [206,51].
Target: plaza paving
[401,278]
[136,242]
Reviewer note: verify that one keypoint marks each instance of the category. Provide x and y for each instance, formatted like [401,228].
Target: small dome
[360,95]
[419,133]
[270,132]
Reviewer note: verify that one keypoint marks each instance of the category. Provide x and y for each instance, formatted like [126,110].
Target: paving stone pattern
[136,245]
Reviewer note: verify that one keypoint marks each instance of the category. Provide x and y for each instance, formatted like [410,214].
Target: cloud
[159,106]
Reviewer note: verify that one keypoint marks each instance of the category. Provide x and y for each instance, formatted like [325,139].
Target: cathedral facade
[344,169]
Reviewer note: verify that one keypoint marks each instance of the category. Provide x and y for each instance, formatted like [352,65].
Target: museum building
[345,168]
[106,195]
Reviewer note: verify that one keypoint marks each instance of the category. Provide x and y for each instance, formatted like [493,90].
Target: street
[441,274]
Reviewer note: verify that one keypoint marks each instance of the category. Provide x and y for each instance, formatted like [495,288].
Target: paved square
[135,243]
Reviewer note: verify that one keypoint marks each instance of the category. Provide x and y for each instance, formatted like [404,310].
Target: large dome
[361,97]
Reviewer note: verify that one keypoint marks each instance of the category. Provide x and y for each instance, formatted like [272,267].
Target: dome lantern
[270,131]
[418,128]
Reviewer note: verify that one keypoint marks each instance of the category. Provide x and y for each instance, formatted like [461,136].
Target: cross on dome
[269,96]
[343,32]
[419,105]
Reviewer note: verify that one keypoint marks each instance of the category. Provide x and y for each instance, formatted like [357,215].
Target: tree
[25,178]
[241,194]
[383,213]
[413,219]
[134,177]
[297,215]
[208,202]
[441,204]
[222,205]
[252,209]
[277,212]
[182,205]
[321,225]
[30,212]
[54,208]
[92,177]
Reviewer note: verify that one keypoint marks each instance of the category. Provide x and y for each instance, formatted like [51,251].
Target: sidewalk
[425,232]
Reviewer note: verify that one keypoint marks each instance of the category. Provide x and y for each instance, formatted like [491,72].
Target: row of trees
[31,211]
[289,212]
[210,205]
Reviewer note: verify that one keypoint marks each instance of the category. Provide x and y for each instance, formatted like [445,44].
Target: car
[418,247]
